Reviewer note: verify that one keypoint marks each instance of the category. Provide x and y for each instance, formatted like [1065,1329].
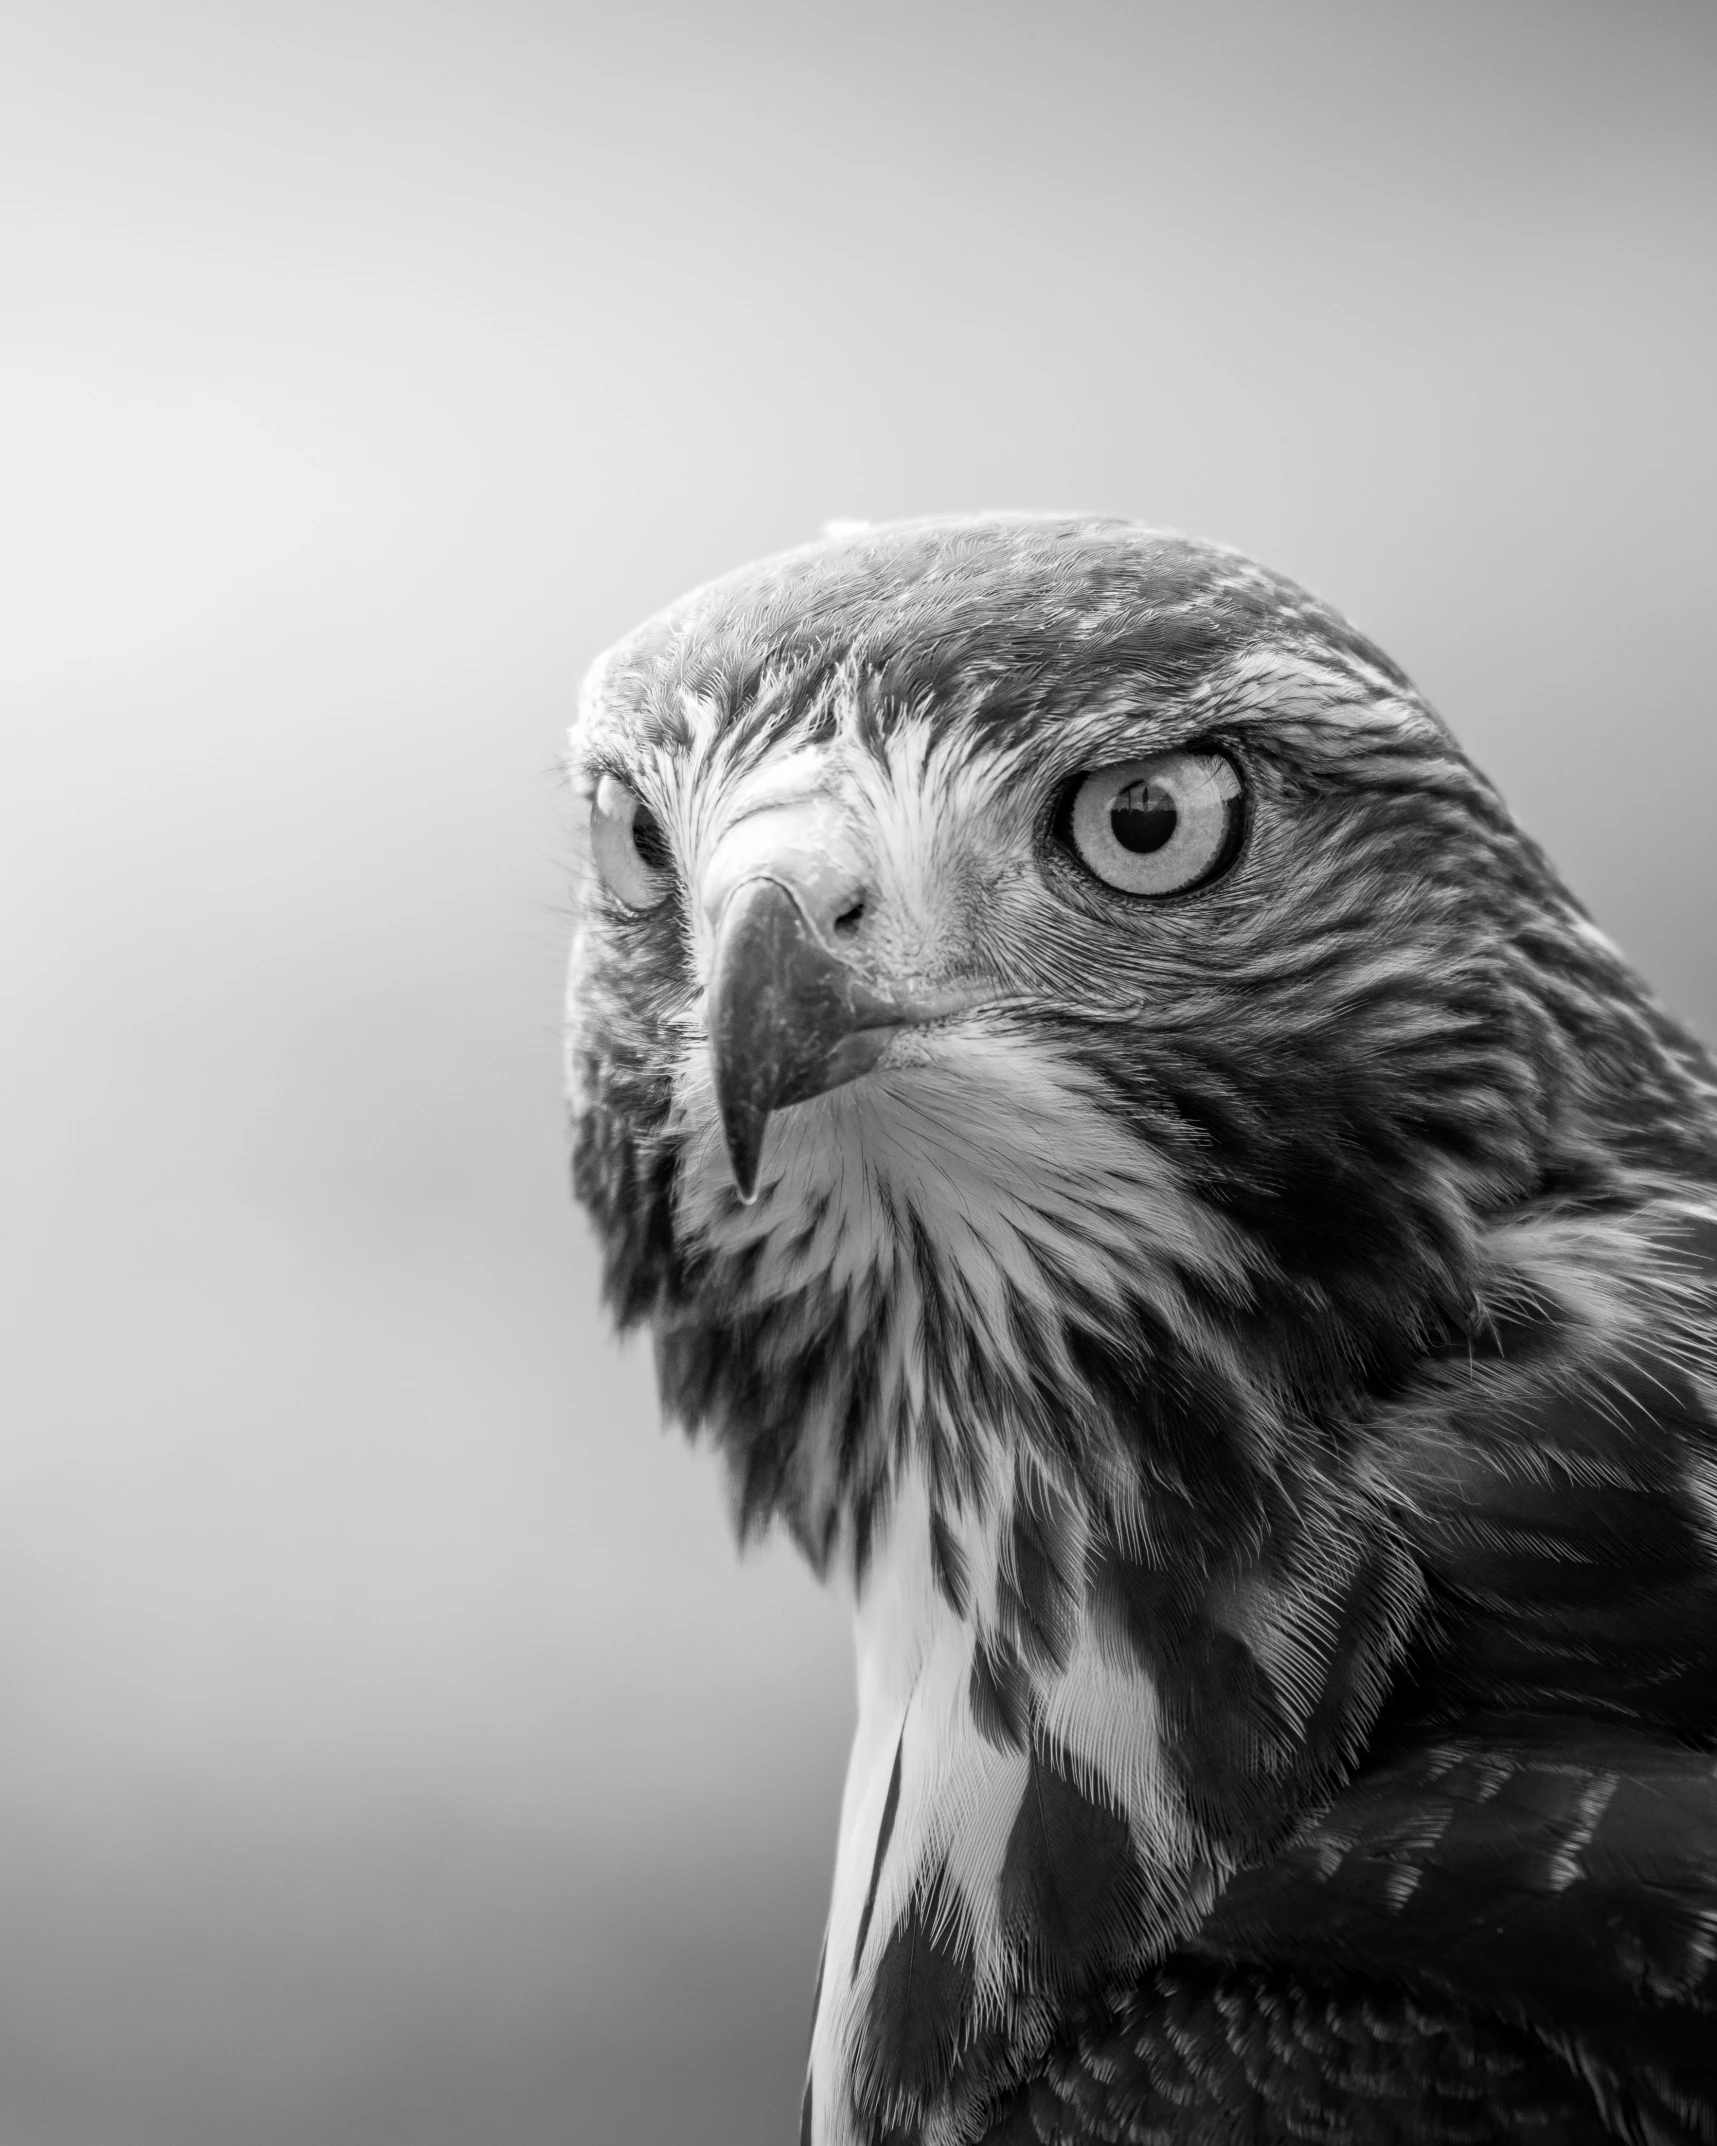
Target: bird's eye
[630,847]
[1157,826]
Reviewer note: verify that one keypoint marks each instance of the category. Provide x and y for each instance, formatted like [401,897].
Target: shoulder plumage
[1499,1935]
[1556,1474]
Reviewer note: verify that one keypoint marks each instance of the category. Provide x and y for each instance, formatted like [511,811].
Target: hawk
[1142,1167]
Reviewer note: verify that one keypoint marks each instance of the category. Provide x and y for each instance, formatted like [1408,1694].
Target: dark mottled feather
[918,2001]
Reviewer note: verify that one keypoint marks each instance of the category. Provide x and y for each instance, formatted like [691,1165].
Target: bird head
[1054,1018]
[1033,920]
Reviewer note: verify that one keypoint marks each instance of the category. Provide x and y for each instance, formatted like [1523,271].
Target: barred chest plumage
[1086,1690]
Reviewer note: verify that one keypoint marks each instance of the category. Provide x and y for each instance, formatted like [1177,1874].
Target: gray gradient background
[392,1748]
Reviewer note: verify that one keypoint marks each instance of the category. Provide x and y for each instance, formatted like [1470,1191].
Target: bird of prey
[1142,1167]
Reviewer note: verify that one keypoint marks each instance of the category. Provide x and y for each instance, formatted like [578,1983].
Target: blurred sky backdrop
[393,1751]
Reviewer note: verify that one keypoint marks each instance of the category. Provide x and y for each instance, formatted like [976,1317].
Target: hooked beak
[787,1018]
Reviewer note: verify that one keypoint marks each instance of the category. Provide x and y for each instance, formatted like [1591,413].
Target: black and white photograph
[861,1190]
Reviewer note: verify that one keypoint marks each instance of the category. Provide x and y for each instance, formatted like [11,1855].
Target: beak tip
[744,1135]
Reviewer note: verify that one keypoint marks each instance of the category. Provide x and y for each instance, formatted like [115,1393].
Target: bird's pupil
[648,839]
[1143,817]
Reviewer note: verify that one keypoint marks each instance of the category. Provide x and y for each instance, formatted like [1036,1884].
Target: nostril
[850,918]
